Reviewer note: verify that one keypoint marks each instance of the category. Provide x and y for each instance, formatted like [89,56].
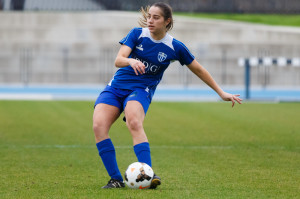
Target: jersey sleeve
[131,38]
[185,57]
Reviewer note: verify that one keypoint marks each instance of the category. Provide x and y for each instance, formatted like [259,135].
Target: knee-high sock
[142,152]
[108,155]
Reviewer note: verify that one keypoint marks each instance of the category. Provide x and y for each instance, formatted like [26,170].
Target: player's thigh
[134,111]
[105,115]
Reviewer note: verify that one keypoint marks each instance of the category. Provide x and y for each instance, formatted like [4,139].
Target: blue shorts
[120,97]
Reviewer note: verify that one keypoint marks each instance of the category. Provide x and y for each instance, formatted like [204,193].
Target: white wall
[54,47]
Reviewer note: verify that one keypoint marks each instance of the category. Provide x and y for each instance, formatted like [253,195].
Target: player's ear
[167,22]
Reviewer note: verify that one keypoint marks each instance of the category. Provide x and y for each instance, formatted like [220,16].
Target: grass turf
[200,150]
[269,19]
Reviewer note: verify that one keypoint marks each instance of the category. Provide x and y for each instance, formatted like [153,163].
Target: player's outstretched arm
[205,76]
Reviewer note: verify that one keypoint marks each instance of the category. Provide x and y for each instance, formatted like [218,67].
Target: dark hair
[166,11]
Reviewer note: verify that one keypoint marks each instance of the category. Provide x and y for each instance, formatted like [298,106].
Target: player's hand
[230,97]
[138,66]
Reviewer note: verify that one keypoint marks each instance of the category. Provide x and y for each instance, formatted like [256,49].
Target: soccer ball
[139,176]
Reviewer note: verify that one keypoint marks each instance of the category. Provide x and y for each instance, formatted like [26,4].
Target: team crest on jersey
[161,56]
[140,47]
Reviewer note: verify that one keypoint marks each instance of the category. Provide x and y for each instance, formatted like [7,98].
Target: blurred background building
[222,6]
[74,42]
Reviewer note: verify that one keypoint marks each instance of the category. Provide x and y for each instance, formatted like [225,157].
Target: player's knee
[100,127]
[134,124]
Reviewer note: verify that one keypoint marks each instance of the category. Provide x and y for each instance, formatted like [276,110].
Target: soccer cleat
[155,182]
[113,183]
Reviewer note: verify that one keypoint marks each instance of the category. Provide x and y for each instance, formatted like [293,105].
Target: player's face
[155,21]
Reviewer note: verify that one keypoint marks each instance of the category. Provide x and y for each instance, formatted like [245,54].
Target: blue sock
[142,152]
[108,155]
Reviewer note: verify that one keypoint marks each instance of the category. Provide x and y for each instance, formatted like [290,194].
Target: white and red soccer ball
[138,176]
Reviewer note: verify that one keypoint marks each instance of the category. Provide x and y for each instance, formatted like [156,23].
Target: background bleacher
[221,6]
[41,48]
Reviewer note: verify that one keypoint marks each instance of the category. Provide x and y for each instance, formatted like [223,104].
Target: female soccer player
[144,55]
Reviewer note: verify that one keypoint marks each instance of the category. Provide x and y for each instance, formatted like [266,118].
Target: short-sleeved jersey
[156,55]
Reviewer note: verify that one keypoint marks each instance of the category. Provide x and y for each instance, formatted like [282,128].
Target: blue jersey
[156,55]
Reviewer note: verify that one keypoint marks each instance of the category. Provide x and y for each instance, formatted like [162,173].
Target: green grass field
[269,19]
[200,150]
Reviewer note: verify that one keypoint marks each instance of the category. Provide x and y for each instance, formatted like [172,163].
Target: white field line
[192,147]
[117,147]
